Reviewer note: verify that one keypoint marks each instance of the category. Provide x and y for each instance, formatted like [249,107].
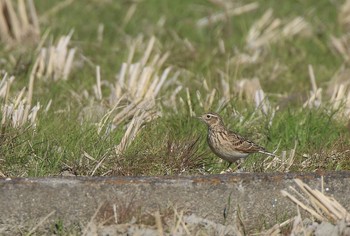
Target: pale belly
[229,155]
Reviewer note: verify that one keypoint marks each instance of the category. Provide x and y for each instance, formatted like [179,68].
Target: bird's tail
[267,153]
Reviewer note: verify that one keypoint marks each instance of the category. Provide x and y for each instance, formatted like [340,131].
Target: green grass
[175,143]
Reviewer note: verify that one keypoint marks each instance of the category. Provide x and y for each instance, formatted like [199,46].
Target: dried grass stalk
[247,88]
[18,111]
[208,101]
[18,22]
[344,14]
[251,90]
[262,102]
[139,83]
[134,95]
[134,126]
[320,206]
[315,98]
[341,45]
[229,12]
[340,99]
[268,29]
[281,163]
[5,85]
[56,61]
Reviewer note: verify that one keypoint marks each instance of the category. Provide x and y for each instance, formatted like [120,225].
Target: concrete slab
[75,199]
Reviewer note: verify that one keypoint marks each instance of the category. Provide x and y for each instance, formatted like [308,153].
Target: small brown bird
[227,144]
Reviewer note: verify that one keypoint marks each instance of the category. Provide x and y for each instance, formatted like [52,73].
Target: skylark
[227,144]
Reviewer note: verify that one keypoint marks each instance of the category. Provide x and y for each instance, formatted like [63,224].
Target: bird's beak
[199,117]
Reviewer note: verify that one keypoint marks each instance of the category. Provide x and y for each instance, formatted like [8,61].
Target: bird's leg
[228,169]
[239,167]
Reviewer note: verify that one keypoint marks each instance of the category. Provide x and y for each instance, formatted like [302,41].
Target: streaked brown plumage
[227,144]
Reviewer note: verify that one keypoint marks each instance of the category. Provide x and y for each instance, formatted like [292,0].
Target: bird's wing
[244,145]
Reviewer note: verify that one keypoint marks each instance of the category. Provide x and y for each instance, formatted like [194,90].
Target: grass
[122,126]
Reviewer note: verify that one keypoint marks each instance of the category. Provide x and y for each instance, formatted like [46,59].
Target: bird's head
[213,120]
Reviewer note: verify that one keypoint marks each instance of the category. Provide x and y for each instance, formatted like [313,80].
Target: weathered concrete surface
[75,199]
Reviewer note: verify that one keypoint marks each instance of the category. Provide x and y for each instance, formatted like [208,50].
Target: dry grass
[18,22]
[17,112]
[320,207]
[281,163]
[134,95]
[343,17]
[56,61]
[157,73]
[229,11]
[268,30]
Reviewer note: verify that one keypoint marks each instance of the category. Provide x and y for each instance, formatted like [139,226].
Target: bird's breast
[223,148]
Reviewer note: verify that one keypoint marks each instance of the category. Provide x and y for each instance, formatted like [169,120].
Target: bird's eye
[208,116]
